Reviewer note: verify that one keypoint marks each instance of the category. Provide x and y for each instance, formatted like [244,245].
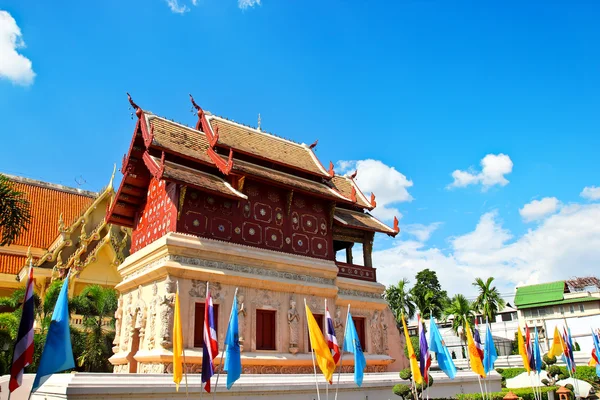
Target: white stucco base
[82,386]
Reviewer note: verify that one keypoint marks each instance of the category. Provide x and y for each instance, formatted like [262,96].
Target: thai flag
[477,340]
[23,354]
[211,347]
[529,348]
[330,336]
[424,355]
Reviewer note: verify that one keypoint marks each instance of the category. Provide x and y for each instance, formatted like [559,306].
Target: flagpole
[341,357]
[224,347]
[480,387]
[312,352]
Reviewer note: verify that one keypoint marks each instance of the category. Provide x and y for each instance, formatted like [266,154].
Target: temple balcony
[354,271]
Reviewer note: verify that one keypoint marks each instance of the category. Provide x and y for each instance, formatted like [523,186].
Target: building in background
[68,229]
[574,303]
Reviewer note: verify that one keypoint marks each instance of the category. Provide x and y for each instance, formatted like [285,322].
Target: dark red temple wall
[262,221]
[157,217]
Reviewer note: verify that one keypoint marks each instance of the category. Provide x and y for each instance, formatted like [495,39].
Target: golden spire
[61,223]
[29,257]
[112,177]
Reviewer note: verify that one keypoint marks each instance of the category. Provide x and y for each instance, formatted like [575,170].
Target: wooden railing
[359,272]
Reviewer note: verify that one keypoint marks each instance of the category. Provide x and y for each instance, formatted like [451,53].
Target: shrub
[509,373]
[405,374]
[415,343]
[570,387]
[500,370]
[545,381]
[577,348]
[403,391]
[549,360]
[524,393]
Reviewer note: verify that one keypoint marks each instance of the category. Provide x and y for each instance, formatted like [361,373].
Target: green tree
[428,294]
[95,304]
[15,212]
[489,301]
[400,300]
[461,311]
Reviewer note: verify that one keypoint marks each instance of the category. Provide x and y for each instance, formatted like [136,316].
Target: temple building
[68,230]
[237,207]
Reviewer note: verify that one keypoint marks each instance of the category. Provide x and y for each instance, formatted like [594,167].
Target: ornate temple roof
[217,155]
[47,202]
[11,263]
[362,220]
[259,144]
[178,173]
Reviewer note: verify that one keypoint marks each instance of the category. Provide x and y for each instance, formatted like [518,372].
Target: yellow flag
[177,344]
[319,346]
[557,348]
[476,365]
[412,358]
[522,350]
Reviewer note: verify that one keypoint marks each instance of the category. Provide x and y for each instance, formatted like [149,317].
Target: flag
[233,358]
[352,345]
[537,354]
[596,352]
[571,348]
[177,343]
[23,352]
[489,355]
[566,352]
[568,349]
[58,352]
[332,342]
[477,340]
[523,351]
[424,356]
[319,347]
[529,348]
[210,347]
[476,364]
[556,349]
[414,368]
[441,351]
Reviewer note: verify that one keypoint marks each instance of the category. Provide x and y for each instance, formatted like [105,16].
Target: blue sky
[424,87]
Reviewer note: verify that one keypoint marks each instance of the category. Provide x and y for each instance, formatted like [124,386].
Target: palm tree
[462,311]
[95,304]
[488,302]
[400,301]
[15,213]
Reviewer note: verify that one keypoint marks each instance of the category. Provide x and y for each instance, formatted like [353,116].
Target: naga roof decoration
[364,221]
[220,153]
[347,186]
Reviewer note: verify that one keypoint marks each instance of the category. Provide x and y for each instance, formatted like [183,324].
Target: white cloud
[493,169]
[590,193]
[564,244]
[539,209]
[389,185]
[420,231]
[13,66]
[178,8]
[244,4]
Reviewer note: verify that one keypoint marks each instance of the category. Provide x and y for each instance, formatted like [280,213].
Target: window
[199,323]
[572,309]
[581,308]
[506,317]
[541,312]
[319,318]
[265,330]
[562,310]
[359,324]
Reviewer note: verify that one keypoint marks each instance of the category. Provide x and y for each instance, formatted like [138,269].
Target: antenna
[80,181]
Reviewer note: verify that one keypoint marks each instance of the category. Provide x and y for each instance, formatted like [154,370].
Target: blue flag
[597,350]
[58,353]
[352,345]
[233,358]
[489,352]
[439,348]
[537,354]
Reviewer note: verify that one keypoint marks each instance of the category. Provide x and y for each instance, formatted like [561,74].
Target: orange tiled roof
[48,201]
[344,185]
[361,220]
[11,263]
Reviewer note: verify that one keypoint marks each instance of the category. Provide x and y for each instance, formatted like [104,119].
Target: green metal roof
[537,295]
[559,302]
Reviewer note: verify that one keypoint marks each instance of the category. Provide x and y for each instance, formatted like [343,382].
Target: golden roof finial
[258,122]
[112,177]
[61,223]
[29,256]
